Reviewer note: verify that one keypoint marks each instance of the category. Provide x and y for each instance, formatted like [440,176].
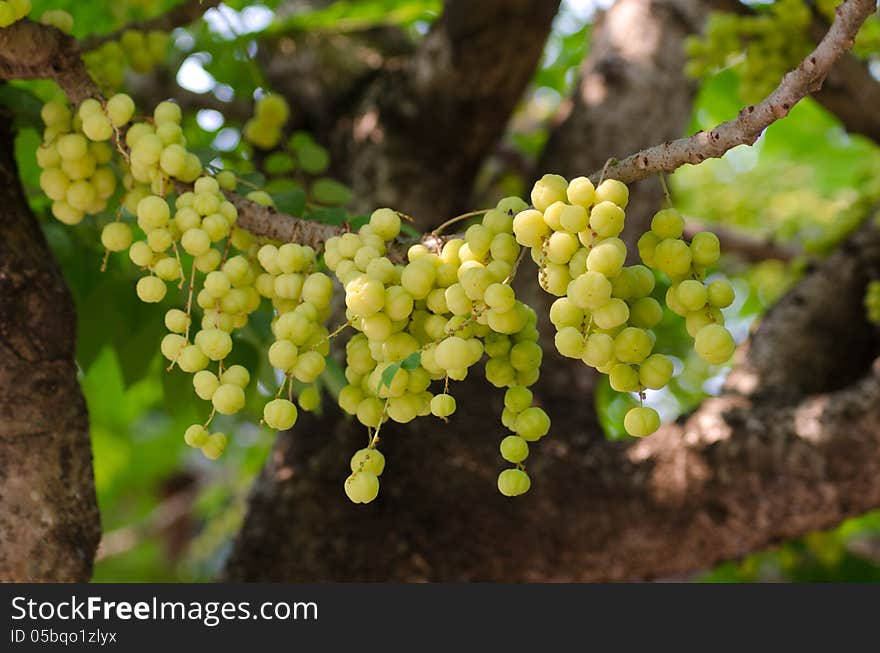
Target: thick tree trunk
[49,524]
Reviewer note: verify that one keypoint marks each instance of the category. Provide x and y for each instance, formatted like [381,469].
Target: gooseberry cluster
[301,297]
[201,227]
[423,319]
[663,249]
[604,312]
[75,163]
[264,129]
[432,319]
[140,51]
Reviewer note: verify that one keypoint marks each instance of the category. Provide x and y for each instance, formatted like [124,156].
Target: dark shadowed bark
[410,128]
[49,524]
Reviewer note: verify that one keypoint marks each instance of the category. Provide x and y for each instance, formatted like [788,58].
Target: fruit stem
[458,218]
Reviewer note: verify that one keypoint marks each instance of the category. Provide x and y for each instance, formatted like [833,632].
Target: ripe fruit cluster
[140,51]
[872,302]
[264,129]
[432,319]
[201,226]
[158,150]
[604,314]
[426,320]
[13,10]
[301,298]
[367,465]
[76,173]
[700,303]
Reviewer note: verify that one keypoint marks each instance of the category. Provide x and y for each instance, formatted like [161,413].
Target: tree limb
[752,120]
[58,57]
[183,14]
[746,246]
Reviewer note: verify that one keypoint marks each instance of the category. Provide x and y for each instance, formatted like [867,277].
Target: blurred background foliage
[169,514]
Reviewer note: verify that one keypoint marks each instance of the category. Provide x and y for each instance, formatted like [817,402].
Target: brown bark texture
[411,126]
[49,523]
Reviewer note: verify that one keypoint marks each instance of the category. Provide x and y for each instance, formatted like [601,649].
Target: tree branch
[30,50]
[746,246]
[178,16]
[752,120]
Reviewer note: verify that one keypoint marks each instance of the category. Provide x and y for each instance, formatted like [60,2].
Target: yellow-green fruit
[513,482]
[362,487]
[196,436]
[280,414]
[624,378]
[228,399]
[612,190]
[116,236]
[705,248]
[442,405]
[151,289]
[655,371]
[641,421]
[673,257]
[368,460]
[549,189]
[581,192]
[667,223]
[514,449]
[720,293]
[714,344]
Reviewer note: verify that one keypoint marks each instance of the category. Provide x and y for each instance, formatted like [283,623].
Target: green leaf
[255,178]
[278,163]
[337,216]
[412,361]
[290,201]
[138,352]
[388,376]
[25,105]
[330,191]
[299,140]
[314,159]
[611,406]
[334,377]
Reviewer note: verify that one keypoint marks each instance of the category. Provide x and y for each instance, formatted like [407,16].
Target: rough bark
[49,523]
[422,122]
[631,93]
